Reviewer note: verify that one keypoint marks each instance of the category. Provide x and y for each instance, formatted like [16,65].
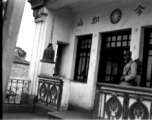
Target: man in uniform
[129,71]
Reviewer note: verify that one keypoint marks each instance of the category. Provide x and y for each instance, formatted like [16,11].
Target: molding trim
[39,3]
[39,15]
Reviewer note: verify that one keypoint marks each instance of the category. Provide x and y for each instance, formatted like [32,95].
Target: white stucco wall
[62,30]
[81,94]
[66,30]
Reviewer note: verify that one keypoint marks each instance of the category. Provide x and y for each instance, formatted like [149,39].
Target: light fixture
[48,56]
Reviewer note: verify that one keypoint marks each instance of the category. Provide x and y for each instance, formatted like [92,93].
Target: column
[11,25]
[38,47]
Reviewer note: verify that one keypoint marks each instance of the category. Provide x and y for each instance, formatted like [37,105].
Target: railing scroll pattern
[49,92]
[118,102]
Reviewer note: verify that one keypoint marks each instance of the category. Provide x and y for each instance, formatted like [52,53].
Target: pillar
[11,25]
[40,16]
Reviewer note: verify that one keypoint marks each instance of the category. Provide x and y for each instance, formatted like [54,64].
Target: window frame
[147,47]
[82,54]
[107,38]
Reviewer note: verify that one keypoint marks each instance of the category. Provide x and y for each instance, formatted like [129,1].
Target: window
[83,58]
[118,40]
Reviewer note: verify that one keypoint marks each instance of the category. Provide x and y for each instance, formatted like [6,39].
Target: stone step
[66,115]
[42,110]
[72,113]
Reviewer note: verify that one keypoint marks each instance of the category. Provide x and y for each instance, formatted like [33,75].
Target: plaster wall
[43,37]
[62,29]
[82,94]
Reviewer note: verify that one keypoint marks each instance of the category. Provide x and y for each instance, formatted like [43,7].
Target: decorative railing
[122,102]
[17,91]
[50,91]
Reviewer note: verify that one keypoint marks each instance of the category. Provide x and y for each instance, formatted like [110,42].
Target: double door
[111,55]
[146,78]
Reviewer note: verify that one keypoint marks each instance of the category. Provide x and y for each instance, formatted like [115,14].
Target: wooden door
[111,55]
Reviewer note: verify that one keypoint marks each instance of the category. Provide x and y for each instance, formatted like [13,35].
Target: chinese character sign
[139,9]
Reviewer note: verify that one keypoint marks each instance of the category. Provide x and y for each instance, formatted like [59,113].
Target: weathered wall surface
[62,29]
[66,29]
[19,71]
[82,95]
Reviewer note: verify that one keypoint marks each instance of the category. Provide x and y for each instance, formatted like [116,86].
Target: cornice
[39,15]
[51,1]
[36,3]
[39,3]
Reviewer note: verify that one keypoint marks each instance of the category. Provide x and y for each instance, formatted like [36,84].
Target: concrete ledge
[75,108]
[14,108]
[51,115]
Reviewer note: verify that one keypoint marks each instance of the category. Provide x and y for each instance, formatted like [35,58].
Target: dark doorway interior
[146,80]
[111,55]
[58,61]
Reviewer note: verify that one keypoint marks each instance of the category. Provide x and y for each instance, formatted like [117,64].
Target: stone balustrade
[53,92]
[122,102]
[17,91]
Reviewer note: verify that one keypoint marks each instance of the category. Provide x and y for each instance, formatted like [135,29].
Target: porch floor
[62,115]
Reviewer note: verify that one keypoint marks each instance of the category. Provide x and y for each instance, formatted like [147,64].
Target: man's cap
[127,52]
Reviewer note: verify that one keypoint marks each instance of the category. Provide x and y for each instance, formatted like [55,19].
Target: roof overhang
[52,4]
[73,4]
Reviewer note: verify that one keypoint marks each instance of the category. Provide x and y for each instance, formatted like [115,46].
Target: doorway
[111,55]
[146,79]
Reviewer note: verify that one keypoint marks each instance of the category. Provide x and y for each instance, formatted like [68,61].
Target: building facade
[18,82]
[89,37]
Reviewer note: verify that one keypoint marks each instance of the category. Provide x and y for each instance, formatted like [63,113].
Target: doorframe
[142,49]
[101,47]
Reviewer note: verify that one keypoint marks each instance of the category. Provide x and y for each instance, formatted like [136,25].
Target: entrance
[146,80]
[111,55]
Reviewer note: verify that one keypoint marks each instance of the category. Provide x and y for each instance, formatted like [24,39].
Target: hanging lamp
[48,56]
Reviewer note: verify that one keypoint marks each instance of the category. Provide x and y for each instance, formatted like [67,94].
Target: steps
[51,113]
[72,113]
[65,115]
[42,110]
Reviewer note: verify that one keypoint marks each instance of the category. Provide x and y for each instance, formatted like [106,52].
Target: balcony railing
[50,91]
[17,91]
[122,102]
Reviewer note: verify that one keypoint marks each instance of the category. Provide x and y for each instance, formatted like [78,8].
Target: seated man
[129,71]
